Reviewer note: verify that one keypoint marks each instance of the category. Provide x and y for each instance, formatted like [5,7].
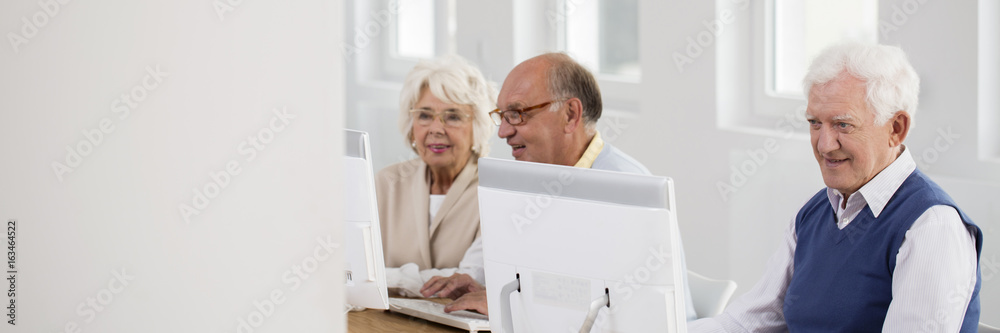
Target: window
[415,29]
[989,80]
[614,53]
[603,35]
[803,28]
[764,55]
[386,38]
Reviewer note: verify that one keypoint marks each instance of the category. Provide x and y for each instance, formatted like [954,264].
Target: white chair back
[709,296]
[983,328]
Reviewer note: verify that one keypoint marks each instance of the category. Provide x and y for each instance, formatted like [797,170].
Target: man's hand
[451,287]
[475,300]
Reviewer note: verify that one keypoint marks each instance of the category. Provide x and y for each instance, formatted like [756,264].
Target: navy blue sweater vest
[842,279]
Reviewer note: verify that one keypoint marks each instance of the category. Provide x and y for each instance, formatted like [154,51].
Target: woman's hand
[452,287]
[471,301]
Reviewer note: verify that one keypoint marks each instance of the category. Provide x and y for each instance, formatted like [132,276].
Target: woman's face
[442,132]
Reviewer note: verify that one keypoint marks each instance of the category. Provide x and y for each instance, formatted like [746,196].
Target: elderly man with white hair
[882,247]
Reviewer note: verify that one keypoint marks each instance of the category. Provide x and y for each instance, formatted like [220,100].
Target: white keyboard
[432,311]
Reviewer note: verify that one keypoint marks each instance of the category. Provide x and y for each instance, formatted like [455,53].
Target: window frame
[381,60]
[620,93]
[744,59]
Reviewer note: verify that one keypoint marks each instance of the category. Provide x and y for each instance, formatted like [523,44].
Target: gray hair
[452,80]
[568,79]
[890,81]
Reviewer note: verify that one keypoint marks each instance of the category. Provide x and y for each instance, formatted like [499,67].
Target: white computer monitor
[364,265]
[565,237]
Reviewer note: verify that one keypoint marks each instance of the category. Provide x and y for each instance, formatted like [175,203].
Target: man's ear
[573,114]
[900,126]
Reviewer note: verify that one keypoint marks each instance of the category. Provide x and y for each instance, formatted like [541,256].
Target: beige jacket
[403,192]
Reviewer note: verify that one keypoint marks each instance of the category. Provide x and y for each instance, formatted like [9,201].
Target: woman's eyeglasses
[424,117]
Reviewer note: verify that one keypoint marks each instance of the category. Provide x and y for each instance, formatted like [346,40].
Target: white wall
[119,207]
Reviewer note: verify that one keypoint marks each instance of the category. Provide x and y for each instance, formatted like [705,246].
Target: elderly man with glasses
[548,111]
[567,133]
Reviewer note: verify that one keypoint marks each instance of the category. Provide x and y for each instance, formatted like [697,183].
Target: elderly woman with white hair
[428,206]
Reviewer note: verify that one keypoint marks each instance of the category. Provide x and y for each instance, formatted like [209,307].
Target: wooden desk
[377,321]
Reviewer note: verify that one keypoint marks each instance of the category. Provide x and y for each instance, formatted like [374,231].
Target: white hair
[452,80]
[891,84]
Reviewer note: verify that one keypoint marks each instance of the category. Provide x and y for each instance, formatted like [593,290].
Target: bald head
[557,83]
[564,78]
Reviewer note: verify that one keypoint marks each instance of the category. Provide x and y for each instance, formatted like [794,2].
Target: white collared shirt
[932,283]
[435,205]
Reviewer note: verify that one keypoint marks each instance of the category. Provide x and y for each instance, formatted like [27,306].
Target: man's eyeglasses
[516,117]
[424,117]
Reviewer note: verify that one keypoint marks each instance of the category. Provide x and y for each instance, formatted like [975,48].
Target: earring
[413,144]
